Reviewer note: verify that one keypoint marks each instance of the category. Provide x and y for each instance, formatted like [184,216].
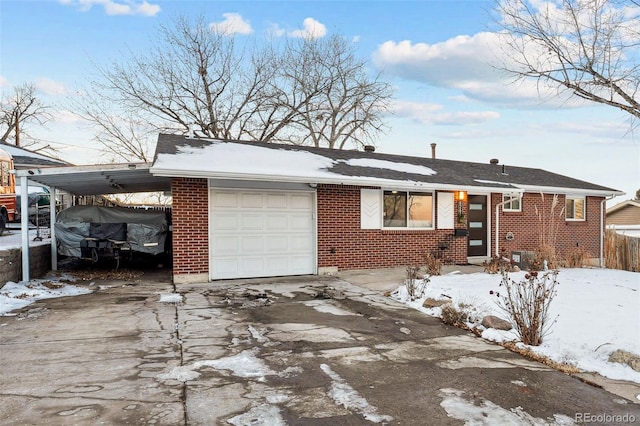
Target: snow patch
[487,413]
[264,414]
[390,165]
[342,393]
[18,295]
[171,298]
[328,307]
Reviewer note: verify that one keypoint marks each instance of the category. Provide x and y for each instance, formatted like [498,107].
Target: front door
[477,224]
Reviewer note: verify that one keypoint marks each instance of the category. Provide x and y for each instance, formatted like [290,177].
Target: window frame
[584,208]
[407,194]
[509,201]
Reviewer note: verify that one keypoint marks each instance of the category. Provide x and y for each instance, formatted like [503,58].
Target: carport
[99,179]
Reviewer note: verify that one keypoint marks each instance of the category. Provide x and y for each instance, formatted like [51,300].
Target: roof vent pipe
[433,151]
[494,161]
[369,148]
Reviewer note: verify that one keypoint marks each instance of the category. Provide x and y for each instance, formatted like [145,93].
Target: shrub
[415,283]
[527,302]
[545,255]
[577,257]
[462,312]
[432,264]
[452,315]
[497,264]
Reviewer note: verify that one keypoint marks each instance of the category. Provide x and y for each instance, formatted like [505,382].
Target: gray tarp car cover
[146,229]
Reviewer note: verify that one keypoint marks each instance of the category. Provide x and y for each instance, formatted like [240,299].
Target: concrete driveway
[295,351]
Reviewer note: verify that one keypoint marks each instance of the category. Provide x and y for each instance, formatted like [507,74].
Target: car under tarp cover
[146,230]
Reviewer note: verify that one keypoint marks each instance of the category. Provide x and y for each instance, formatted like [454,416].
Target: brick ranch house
[248,209]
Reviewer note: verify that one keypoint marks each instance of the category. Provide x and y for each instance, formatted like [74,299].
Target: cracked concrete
[297,350]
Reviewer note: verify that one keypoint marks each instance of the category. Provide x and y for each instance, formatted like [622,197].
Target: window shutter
[370,209]
[446,209]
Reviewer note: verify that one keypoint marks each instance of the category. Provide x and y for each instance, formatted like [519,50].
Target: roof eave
[571,191]
[337,180]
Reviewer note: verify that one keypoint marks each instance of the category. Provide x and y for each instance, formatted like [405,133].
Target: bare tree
[590,48]
[342,103]
[312,91]
[17,111]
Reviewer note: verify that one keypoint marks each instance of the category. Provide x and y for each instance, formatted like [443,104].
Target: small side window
[575,208]
[512,203]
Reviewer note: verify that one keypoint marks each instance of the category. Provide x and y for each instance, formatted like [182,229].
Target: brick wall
[342,243]
[190,226]
[529,230]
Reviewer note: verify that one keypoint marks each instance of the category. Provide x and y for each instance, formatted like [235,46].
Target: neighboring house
[26,159]
[624,217]
[38,195]
[249,209]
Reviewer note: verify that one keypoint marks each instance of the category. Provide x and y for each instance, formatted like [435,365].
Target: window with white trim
[511,203]
[407,209]
[575,208]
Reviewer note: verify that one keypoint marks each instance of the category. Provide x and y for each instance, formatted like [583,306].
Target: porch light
[461,196]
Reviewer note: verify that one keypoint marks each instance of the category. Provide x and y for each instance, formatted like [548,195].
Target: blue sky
[435,53]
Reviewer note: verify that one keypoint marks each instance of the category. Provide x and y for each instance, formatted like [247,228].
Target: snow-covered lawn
[597,311]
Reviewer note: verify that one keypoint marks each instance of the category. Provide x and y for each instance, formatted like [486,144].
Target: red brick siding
[528,229]
[190,225]
[342,243]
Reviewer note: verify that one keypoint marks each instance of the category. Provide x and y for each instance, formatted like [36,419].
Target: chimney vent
[369,148]
[494,161]
[433,151]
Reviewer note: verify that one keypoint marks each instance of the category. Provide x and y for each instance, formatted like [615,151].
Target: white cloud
[3,82]
[470,64]
[65,117]
[233,23]
[310,29]
[424,113]
[116,7]
[275,31]
[50,87]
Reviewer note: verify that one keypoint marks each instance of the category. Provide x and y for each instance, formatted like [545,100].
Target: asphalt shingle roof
[448,172]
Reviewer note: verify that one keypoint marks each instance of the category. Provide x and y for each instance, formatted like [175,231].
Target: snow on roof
[179,156]
[21,152]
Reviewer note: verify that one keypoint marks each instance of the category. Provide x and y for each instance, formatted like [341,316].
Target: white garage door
[261,233]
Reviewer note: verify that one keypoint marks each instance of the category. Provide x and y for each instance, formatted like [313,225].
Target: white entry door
[258,233]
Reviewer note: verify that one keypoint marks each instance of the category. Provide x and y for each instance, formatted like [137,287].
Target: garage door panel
[300,222]
[277,222]
[251,222]
[252,200]
[261,233]
[226,222]
[277,201]
[222,245]
[253,244]
[301,202]
[277,242]
[225,199]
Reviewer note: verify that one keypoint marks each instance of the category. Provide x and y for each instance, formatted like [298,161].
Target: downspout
[497,238]
[602,213]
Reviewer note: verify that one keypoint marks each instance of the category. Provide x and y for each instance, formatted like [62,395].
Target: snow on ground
[18,295]
[12,238]
[597,311]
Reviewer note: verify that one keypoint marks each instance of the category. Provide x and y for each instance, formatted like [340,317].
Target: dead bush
[452,315]
[576,257]
[415,282]
[433,264]
[527,302]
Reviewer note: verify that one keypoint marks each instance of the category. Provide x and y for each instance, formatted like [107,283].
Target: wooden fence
[621,251]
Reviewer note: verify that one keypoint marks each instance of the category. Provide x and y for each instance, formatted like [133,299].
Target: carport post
[24,226]
[52,229]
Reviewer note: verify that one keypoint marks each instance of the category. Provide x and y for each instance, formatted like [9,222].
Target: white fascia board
[337,180]
[569,191]
[61,170]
